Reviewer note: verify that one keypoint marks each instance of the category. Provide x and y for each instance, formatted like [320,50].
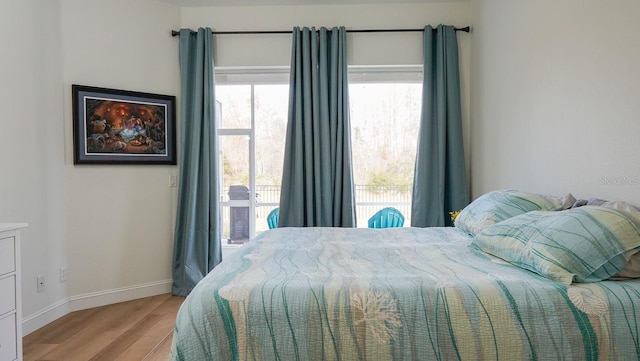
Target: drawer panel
[7,294]
[8,340]
[7,255]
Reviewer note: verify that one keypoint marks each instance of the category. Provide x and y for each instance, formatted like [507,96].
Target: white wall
[119,218]
[32,148]
[555,105]
[111,226]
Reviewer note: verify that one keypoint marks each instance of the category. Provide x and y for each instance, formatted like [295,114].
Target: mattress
[397,294]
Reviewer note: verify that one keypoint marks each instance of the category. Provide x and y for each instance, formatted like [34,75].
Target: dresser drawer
[7,294]
[8,340]
[7,255]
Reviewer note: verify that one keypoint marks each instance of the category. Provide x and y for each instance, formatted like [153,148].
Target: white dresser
[10,296]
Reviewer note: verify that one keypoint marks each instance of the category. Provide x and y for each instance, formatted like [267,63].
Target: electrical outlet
[63,274]
[41,285]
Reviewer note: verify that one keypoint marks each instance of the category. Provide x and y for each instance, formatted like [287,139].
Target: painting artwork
[122,127]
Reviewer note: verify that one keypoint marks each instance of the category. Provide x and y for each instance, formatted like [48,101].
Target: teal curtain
[317,181]
[197,244]
[440,181]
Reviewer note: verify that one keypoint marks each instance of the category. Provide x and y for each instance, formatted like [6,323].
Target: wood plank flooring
[129,331]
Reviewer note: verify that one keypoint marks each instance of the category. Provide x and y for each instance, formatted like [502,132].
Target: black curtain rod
[466,29]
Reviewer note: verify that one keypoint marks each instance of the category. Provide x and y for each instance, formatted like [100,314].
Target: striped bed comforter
[397,294]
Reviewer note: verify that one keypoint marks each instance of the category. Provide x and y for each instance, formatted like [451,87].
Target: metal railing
[369,199]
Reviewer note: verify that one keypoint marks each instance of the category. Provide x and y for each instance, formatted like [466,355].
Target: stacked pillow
[497,206]
[584,244]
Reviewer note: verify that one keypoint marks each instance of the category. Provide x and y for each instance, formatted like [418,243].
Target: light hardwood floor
[134,330]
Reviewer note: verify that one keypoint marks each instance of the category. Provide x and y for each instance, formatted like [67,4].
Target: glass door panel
[271,111]
[236,194]
[384,128]
[235,102]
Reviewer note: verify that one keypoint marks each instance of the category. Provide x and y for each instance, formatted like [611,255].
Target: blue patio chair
[272,218]
[386,218]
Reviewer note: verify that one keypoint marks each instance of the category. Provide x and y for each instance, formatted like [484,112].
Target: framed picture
[113,126]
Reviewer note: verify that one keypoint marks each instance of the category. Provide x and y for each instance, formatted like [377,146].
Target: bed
[418,293]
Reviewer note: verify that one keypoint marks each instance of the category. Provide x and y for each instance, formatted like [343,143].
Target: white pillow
[632,269]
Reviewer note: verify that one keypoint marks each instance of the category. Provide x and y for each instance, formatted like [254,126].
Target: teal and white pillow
[585,244]
[497,206]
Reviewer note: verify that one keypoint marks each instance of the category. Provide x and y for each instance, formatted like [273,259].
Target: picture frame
[112,126]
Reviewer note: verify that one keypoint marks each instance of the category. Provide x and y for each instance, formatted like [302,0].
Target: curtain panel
[440,180]
[317,182]
[197,237]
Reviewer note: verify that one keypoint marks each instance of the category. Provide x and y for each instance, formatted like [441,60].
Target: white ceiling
[192,3]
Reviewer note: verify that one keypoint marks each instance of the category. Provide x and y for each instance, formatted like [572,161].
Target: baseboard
[91,300]
[108,297]
[45,316]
